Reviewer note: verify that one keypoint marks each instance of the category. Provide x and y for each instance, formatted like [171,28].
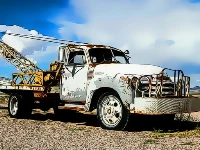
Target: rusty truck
[89,77]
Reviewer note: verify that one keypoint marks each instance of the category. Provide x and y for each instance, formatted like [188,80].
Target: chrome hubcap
[13,105]
[111,110]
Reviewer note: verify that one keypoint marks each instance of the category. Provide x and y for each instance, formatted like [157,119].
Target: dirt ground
[43,130]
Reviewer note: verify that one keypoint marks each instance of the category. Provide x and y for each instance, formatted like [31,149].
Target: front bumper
[153,106]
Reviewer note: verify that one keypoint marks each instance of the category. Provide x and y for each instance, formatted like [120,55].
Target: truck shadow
[137,122]
[73,117]
[155,123]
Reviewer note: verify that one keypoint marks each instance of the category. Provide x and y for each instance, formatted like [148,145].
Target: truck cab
[79,70]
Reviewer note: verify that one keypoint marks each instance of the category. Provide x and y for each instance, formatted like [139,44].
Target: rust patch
[90,73]
[39,94]
[143,113]
[93,64]
[99,46]
[72,108]
[90,45]
[73,46]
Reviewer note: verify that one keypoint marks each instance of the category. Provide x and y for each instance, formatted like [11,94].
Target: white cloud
[32,60]
[27,46]
[158,32]
[49,55]
[33,49]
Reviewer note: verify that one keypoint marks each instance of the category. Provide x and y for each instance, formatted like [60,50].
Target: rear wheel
[111,113]
[19,106]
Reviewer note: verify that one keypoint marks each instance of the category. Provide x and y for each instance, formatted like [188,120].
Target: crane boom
[17,59]
[31,74]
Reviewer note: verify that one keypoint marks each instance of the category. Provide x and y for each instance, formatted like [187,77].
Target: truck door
[74,79]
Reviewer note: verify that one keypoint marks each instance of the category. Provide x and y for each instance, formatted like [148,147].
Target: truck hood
[137,69]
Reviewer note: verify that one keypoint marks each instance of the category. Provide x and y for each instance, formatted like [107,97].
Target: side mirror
[126,52]
[62,55]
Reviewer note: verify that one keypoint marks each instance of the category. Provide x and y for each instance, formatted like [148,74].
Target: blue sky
[133,25]
[32,15]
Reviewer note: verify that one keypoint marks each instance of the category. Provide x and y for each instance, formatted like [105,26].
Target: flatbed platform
[53,89]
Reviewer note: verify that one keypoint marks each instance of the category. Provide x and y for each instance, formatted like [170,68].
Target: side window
[77,57]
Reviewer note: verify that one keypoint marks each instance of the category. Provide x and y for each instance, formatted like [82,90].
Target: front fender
[116,82]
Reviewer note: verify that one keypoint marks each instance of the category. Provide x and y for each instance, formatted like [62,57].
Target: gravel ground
[45,131]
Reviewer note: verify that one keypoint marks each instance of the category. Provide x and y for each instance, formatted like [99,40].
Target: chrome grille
[161,85]
[152,89]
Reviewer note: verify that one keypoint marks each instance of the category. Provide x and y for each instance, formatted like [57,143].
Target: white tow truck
[87,77]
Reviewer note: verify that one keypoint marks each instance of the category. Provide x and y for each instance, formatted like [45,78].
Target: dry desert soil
[43,130]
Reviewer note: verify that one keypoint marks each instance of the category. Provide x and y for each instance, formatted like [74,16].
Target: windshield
[101,55]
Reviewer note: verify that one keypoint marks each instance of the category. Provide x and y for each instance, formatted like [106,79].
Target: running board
[73,107]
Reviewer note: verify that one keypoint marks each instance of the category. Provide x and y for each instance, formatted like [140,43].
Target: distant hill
[195,88]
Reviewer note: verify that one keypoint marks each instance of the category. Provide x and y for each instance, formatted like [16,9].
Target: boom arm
[18,60]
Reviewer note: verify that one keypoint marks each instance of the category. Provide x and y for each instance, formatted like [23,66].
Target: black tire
[24,107]
[125,113]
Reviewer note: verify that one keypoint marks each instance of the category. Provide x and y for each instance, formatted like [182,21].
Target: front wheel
[111,113]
